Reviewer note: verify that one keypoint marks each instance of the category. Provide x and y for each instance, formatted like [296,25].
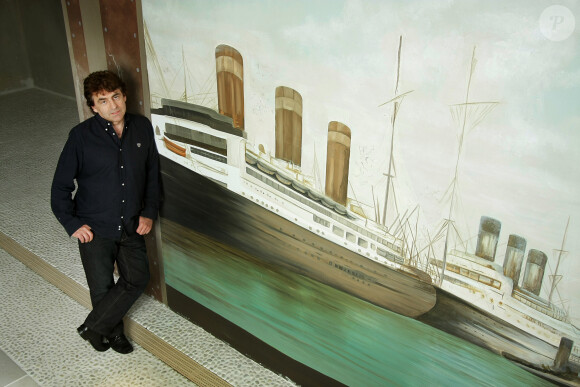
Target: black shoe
[120,344]
[96,340]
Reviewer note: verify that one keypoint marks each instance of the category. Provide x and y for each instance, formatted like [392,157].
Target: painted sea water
[341,336]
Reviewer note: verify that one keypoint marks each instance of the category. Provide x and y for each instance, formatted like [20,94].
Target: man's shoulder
[82,126]
[138,119]
[140,125]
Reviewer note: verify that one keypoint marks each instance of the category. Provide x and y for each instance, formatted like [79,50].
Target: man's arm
[152,185]
[63,186]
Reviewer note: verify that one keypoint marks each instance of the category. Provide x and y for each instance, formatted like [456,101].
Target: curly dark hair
[102,81]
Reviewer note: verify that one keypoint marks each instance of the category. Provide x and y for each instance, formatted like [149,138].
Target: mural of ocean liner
[220,185]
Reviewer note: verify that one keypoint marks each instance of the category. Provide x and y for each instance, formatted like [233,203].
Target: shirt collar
[106,123]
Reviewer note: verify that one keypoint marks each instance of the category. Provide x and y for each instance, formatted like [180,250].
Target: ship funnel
[514,256]
[288,125]
[230,84]
[534,273]
[489,229]
[337,161]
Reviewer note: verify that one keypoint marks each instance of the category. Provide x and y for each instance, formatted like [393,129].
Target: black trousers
[110,300]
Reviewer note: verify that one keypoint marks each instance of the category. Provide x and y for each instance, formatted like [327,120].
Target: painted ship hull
[209,208]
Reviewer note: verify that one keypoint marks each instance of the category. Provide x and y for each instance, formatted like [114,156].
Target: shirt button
[121,166]
[121,217]
[123,201]
[123,184]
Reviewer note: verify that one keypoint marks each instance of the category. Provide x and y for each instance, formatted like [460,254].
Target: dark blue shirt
[117,179]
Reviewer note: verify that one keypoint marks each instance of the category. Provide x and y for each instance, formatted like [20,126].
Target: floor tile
[25,381]
[9,371]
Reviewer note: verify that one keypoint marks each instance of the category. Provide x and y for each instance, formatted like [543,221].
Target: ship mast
[205,93]
[184,75]
[397,100]
[555,277]
[315,172]
[475,111]
[153,55]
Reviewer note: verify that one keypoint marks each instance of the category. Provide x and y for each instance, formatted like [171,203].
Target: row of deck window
[340,232]
[361,242]
[272,182]
[197,138]
[209,155]
[269,180]
[557,314]
[471,274]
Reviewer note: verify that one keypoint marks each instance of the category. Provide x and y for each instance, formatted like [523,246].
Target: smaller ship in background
[484,303]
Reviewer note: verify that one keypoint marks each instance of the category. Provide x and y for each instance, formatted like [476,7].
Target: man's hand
[83,234]
[145,225]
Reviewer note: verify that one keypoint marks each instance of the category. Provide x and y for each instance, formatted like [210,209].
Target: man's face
[110,105]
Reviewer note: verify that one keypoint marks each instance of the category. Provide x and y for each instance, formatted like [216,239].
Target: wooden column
[121,37]
[77,49]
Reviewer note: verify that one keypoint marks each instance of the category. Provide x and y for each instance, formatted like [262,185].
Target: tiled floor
[38,321]
[37,330]
[12,375]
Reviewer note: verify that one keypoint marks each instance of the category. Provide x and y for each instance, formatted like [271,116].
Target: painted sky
[520,165]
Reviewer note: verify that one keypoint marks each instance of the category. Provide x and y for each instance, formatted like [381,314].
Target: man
[114,160]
